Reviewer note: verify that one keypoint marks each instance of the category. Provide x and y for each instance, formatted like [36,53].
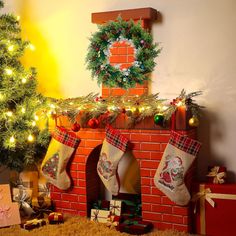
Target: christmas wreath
[121,31]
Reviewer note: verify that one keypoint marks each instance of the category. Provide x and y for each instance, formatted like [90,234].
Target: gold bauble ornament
[194,122]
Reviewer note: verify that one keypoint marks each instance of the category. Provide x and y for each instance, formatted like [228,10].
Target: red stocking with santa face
[178,156]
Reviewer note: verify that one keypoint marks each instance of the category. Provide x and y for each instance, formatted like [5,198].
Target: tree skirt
[77,226]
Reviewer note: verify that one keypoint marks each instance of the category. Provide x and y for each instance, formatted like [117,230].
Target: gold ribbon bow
[95,214]
[111,221]
[218,176]
[206,195]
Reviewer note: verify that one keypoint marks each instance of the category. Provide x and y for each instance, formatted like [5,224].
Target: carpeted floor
[74,226]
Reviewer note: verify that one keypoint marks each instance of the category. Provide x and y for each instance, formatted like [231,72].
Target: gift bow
[95,213]
[205,193]
[218,177]
[4,212]
[34,222]
[114,207]
[111,221]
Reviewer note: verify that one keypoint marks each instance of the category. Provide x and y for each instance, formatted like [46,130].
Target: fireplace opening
[129,179]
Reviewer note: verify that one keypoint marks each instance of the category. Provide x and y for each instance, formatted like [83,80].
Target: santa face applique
[105,167]
[172,174]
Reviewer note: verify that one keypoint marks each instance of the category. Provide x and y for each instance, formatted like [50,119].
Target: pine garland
[107,110]
[121,31]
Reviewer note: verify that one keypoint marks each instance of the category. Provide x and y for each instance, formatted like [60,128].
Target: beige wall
[199,53]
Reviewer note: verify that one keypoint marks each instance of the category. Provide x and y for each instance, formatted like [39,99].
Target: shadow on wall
[42,57]
[210,124]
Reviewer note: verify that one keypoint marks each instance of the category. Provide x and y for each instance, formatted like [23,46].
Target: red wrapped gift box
[55,218]
[214,208]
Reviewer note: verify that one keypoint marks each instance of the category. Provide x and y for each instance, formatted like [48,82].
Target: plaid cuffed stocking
[113,148]
[60,149]
[178,156]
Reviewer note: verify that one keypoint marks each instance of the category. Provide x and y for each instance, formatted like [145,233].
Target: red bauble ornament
[75,127]
[93,123]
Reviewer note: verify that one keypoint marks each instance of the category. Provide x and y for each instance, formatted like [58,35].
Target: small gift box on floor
[116,207]
[55,218]
[99,215]
[32,224]
[213,209]
[135,227]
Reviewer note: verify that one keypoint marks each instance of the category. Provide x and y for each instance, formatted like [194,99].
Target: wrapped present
[214,207]
[29,179]
[41,202]
[116,207]
[5,194]
[216,174]
[9,214]
[135,227]
[99,215]
[101,204]
[55,218]
[113,220]
[23,197]
[32,224]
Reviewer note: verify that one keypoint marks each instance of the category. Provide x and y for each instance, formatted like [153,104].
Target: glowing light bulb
[179,104]
[12,139]
[164,108]
[23,110]
[36,117]
[30,138]
[11,48]
[9,113]
[31,47]
[52,106]
[71,103]
[23,80]
[17,18]
[33,123]
[1,96]
[8,71]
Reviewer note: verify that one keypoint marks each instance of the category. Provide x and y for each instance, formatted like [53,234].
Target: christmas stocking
[113,147]
[178,156]
[60,149]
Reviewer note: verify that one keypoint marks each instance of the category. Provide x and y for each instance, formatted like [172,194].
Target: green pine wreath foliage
[97,58]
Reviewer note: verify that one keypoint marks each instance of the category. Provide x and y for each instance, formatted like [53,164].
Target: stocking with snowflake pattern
[60,149]
[113,148]
[178,156]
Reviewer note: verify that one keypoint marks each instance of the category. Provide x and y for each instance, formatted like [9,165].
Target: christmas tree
[22,143]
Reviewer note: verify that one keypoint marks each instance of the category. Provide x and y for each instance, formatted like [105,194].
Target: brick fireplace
[148,143]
